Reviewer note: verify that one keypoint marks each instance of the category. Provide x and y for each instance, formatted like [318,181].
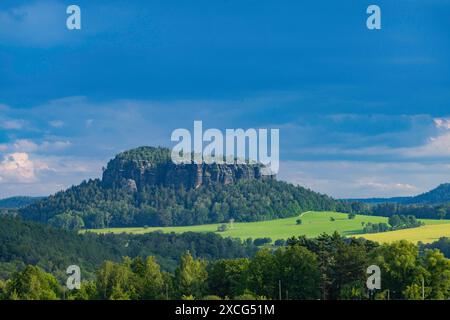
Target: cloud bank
[63,141]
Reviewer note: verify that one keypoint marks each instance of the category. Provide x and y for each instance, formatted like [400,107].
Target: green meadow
[313,224]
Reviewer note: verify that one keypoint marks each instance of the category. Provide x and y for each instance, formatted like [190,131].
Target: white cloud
[374,183]
[17,167]
[25,174]
[73,166]
[442,123]
[361,179]
[432,143]
[54,145]
[122,124]
[438,146]
[24,145]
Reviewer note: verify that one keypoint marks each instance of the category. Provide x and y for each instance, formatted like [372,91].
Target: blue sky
[361,113]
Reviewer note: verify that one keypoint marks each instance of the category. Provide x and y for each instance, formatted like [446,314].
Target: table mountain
[142,187]
[146,166]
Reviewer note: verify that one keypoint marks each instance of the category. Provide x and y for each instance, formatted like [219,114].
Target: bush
[262,241]
[67,220]
[222,228]
[299,221]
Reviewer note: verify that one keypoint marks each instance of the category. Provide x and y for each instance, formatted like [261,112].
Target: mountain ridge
[18,202]
[438,195]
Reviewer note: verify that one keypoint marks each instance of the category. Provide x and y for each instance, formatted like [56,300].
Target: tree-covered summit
[153,155]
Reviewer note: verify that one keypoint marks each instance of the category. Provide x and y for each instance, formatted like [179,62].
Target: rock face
[142,169]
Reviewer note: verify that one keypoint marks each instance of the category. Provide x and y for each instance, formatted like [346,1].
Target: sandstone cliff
[145,166]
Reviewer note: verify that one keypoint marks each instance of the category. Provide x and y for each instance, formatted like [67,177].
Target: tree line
[388,209]
[395,222]
[328,267]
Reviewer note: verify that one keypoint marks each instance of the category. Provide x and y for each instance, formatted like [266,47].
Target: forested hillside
[17,202]
[434,204]
[437,196]
[328,267]
[140,187]
[26,242]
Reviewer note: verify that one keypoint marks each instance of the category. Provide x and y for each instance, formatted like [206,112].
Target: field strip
[313,224]
[425,234]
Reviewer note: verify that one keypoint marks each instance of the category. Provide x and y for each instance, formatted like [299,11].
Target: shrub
[222,228]
[262,241]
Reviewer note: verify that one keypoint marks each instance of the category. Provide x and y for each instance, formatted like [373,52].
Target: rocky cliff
[145,166]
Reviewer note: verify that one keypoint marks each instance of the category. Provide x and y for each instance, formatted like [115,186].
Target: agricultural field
[430,232]
[313,224]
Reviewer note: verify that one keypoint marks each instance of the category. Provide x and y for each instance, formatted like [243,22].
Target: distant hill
[439,195]
[380,200]
[18,202]
[143,187]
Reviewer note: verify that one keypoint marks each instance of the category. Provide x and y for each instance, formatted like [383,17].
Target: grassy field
[313,224]
[426,234]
